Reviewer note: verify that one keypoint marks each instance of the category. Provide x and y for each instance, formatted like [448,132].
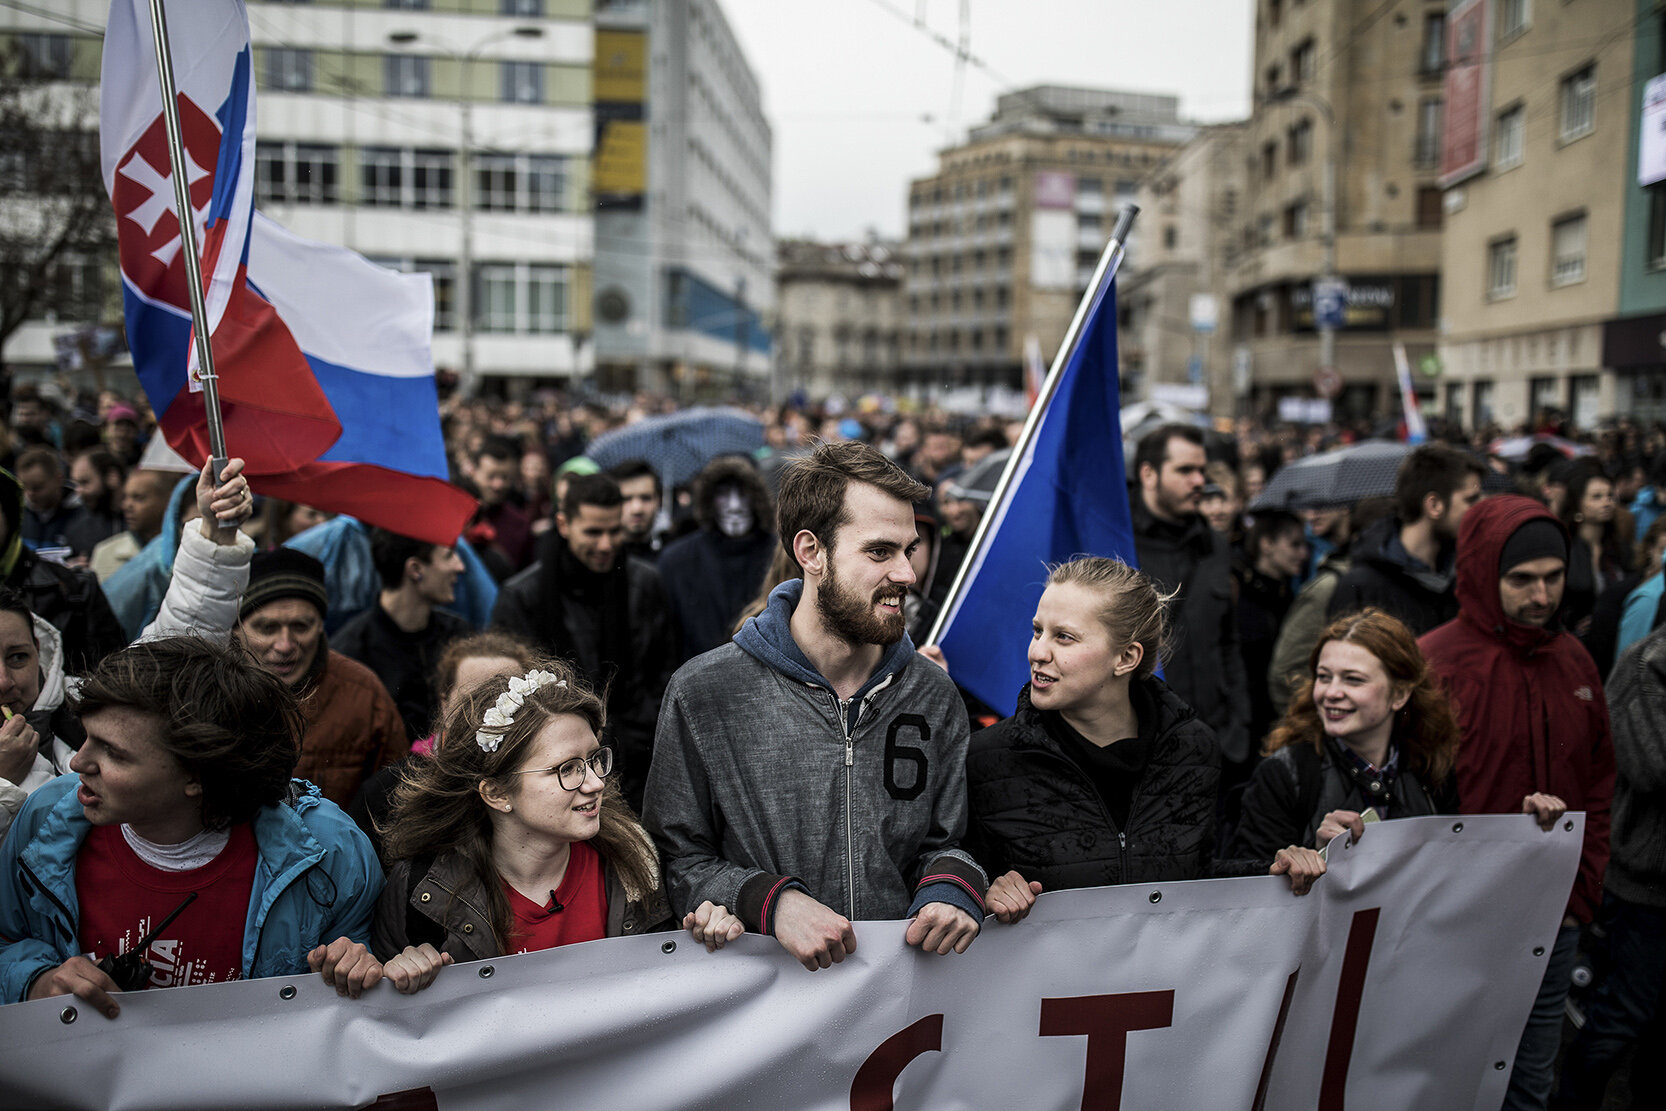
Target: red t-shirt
[582,897]
[122,898]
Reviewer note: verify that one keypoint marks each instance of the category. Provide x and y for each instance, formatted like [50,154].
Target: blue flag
[1068,496]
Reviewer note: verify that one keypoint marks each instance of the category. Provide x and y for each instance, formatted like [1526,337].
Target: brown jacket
[353,727]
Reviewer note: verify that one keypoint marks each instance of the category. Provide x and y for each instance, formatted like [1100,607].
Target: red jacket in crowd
[1529,699]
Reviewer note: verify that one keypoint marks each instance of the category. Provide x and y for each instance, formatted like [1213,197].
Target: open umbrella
[977,482]
[1334,478]
[1515,449]
[678,445]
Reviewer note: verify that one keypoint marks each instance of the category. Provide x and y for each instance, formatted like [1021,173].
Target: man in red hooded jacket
[1535,726]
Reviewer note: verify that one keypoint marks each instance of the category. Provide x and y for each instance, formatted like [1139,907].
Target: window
[289,71]
[408,5]
[519,182]
[431,179]
[1512,17]
[403,178]
[1501,268]
[43,56]
[381,176]
[521,82]
[1275,9]
[521,298]
[1171,237]
[1567,250]
[1301,143]
[1269,159]
[1579,103]
[546,299]
[495,305]
[1427,151]
[1428,206]
[1655,259]
[1275,79]
[296,173]
[1512,123]
[405,75]
[1431,60]
[521,7]
[1301,62]
[76,282]
[1482,401]
[1296,220]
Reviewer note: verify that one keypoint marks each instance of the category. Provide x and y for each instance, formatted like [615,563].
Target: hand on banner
[713,925]
[1546,809]
[1338,822]
[1010,898]
[815,935]
[415,968]
[935,655]
[346,965]
[81,978]
[224,507]
[940,927]
[1303,866]
[18,745]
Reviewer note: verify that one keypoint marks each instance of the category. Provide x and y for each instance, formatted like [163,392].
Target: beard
[852,618]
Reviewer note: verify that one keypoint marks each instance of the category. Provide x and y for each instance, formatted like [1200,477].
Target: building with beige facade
[839,318]
[1536,212]
[1346,127]
[1003,239]
[1171,292]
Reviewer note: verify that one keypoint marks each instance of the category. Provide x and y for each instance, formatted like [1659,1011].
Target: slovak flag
[274,411]
[326,375]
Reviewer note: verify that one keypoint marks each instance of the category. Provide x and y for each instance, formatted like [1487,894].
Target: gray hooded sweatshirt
[763,780]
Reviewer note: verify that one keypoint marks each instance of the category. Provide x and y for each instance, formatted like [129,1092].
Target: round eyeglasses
[571,773]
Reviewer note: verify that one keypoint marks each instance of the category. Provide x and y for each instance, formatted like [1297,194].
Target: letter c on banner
[1106,1020]
[871,1090]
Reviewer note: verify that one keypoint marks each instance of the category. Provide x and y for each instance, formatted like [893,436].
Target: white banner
[1651,139]
[1402,981]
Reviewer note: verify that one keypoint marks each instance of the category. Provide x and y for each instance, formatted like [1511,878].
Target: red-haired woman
[1371,730]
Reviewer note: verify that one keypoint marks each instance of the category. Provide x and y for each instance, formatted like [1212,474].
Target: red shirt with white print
[123,898]
[582,898]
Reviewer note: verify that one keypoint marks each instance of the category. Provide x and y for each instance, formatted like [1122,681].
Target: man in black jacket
[401,637]
[69,599]
[605,613]
[710,575]
[1178,549]
[1405,565]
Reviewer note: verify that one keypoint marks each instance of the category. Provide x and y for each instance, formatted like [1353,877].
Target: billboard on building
[1463,151]
[1651,144]
[620,85]
[1053,231]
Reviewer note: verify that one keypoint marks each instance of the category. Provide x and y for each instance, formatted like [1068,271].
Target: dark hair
[813,487]
[499,447]
[599,490]
[438,807]
[1153,447]
[992,438]
[40,456]
[103,460]
[1270,524]
[390,550]
[1436,469]
[1426,728]
[1616,547]
[13,601]
[636,468]
[731,470]
[234,727]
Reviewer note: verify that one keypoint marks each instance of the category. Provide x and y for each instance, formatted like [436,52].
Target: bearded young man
[813,771]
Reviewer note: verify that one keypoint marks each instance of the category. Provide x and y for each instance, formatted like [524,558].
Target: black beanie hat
[284,573]
[1536,539]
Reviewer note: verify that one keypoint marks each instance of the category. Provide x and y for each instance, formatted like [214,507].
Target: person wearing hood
[710,574]
[1536,737]
[1404,566]
[812,772]
[588,603]
[70,599]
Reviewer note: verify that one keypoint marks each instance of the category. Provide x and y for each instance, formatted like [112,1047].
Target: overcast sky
[861,100]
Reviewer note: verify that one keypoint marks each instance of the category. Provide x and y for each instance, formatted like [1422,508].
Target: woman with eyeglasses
[510,839]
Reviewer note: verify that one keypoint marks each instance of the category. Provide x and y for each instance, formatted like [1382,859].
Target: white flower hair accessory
[502,714]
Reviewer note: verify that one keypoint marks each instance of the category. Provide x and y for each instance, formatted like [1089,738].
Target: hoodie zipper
[1110,823]
[843,705]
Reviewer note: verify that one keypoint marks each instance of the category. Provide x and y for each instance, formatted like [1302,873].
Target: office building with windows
[685,257]
[1003,239]
[840,323]
[1550,240]
[1346,126]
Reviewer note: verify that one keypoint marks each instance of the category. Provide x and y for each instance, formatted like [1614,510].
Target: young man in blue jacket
[181,800]
[813,770]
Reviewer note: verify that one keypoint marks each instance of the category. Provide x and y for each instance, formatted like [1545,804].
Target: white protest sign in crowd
[1402,981]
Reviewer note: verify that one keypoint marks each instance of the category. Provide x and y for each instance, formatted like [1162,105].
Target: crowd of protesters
[613,708]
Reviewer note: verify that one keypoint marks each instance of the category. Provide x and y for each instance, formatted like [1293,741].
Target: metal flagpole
[188,238]
[1110,259]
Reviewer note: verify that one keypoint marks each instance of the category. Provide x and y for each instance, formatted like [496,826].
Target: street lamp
[465,255]
[1327,268]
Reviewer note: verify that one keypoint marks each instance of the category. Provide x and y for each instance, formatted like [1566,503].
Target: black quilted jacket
[1033,810]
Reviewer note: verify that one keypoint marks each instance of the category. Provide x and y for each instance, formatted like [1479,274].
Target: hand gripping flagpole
[188,239]
[1110,259]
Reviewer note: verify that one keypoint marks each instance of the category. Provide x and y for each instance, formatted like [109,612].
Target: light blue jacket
[317,879]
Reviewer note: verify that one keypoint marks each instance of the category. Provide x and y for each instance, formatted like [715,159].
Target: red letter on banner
[1106,1021]
[1345,1019]
[871,1090]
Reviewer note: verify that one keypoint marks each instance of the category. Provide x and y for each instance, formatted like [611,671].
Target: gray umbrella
[1335,478]
[678,445]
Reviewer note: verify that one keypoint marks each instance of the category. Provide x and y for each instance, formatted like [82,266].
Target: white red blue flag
[327,383]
